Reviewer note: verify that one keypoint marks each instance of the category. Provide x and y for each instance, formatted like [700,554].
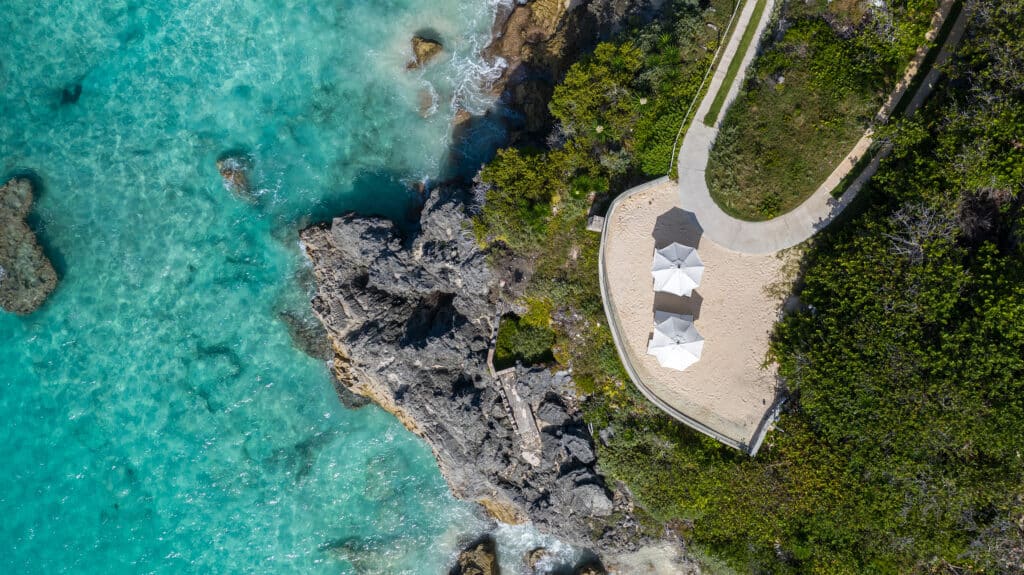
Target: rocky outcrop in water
[481,558]
[26,275]
[235,170]
[410,319]
[424,50]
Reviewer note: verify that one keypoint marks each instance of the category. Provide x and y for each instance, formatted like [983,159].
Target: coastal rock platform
[410,319]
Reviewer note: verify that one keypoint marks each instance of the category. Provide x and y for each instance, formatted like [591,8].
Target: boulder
[534,558]
[424,50]
[593,567]
[26,275]
[235,171]
[480,558]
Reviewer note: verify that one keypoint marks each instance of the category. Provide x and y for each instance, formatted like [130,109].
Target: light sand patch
[728,390]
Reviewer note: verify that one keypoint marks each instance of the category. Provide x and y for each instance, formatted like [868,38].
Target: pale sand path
[727,393]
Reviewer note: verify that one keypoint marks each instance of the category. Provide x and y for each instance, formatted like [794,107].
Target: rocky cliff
[540,39]
[26,275]
[410,319]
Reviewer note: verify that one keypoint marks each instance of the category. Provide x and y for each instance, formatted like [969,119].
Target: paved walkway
[821,208]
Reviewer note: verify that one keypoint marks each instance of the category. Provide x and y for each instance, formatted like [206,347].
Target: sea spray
[474,76]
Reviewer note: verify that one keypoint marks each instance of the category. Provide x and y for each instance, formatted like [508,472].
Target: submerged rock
[308,335]
[410,319]
[26,275]
[481,558]
[366,555]
[424,50]
[427,102]
[235,171]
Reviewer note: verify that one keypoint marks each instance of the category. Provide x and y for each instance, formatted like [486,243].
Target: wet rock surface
[535,557]
[424,50]
[481,558]
[410,321]
[26,275]
[235,171]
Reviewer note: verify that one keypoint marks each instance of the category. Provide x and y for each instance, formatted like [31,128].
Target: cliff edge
[410,319]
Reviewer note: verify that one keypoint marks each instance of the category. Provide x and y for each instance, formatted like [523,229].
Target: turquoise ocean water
[156,417]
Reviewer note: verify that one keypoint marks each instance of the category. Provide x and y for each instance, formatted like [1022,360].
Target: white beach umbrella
[676,343]
[677,269]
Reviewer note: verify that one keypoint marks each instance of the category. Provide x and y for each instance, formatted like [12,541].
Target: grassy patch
[734,65]
[808,99]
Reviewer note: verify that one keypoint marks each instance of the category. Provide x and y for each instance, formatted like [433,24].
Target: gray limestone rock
[410,318]
[26,275]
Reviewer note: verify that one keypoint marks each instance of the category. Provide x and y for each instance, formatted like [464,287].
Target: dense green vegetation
[734,65]
[527,339]
[902,449]
[808,99]
[902,446]
[617,113]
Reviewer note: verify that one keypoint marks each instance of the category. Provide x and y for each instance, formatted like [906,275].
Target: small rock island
[26,275]
[424,50]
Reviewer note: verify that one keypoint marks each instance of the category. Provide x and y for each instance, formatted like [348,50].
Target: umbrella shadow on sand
[679,226]
[680,305]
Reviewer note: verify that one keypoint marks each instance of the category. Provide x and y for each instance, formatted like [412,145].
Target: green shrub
[522,341]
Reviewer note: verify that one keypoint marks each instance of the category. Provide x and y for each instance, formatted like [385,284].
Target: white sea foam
[473,74]
[515,541]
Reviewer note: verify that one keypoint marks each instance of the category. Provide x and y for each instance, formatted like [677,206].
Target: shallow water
[156,416]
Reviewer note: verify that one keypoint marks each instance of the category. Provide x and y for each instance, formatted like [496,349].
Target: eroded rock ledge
[26,275]
[410,320]
[540,39]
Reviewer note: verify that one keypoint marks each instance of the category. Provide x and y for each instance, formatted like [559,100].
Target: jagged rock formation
[534,558]
[235,170]
[540,39]
[424,50]
[410,321]
[481,558]
[26,275]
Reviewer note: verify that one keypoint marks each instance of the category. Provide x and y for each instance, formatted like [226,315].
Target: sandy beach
[729,390]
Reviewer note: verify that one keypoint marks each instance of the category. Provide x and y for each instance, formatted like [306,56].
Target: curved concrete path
[821,208]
